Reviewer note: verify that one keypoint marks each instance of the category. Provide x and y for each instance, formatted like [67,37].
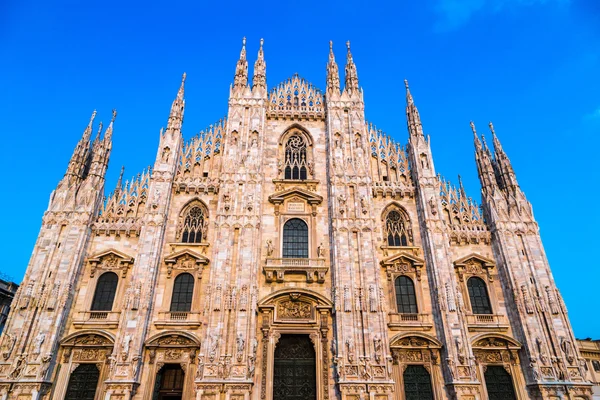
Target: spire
[333,74]
[88,130]
[79,159]
[109,130]
[177,108]
[415,128]
[507,174]
[497,146]
[260,69]
[351,73]
[475,137]
[120,181]
[240,79]
[461,188]
[483,159]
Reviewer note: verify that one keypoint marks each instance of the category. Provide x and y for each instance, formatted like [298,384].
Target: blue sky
[530,66]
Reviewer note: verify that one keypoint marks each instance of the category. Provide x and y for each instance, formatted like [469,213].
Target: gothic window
[183,289]
[295,239]
[106,288]
[417,383]
[83,383]
[406,301]
[295,158]
[480,301]
[498,383]
[194,225]
[397,229]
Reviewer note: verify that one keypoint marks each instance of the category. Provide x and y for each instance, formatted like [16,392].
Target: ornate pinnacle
[114,115]
[492,128]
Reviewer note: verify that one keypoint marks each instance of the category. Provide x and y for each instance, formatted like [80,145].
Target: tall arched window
[498,383]
[397,229]
[480,301]
[417,383]
[83,383]
[406,300]
[183,290]
[194,226]
[295,239]
[105,292]
[295,158]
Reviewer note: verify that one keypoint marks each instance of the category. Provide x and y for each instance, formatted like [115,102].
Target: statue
[320,250]
[269,248]
[37,343]
[7,345]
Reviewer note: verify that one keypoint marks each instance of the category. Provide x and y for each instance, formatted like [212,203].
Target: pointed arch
[397,226]
[193,222]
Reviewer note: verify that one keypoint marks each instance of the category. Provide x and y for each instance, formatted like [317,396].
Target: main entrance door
[295,376]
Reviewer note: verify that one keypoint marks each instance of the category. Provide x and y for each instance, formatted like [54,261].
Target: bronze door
[295,375]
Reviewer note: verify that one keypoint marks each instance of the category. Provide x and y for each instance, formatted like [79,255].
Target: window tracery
[397,229]
[296,162]
[194,224]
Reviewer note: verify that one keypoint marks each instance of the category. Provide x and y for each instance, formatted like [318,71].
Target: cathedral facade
[291,251]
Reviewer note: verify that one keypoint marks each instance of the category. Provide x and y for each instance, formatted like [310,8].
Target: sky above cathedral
[530,66]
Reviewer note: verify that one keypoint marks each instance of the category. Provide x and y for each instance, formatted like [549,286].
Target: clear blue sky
[530,66]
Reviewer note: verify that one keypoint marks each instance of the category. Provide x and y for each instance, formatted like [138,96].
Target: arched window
[498,383]
[397,229]
[480,301]
[406,301]
[105,292]
[83,383]
[194,225]
[183,290]
[295,158]
[295,239]
[417,383]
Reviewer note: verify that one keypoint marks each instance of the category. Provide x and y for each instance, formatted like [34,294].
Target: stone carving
[18,367]
[165,155]
[527,300]
[294,309]
[551,301]
[347,300]
[372,299]
[26,297]
[320,250]
[244,298]
[125,347]
[239,344]
[54,296]
[44,366]
[214,344]
[269,248]
[450,298]
[350,350]
[7,345]
[377,346]
[217,303]
[37,343]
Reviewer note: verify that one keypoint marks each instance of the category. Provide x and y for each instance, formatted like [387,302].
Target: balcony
[418,322]
[487,322]
[187,319]
[313,268]
[96,319]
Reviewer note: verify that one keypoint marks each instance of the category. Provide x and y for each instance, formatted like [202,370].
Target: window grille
[83,383]
[406,300]
[183,290]
[295,158]
[295,239]
[417,383]
[106,288]
[498,383]
[480,301]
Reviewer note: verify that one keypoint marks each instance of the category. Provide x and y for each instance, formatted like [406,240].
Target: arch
[479,340]
[316,297]
[183,293]
[71,339]
[106,290]
[193,222]
[294,128]
[406,299]
[397,225]
[158,339]
[295,239]
[432,342]
[479,296]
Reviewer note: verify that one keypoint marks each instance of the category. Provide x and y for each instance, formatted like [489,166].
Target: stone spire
[485,167]
[240,80]
[415,128]
[505,169]
[333,74]
[177,108]
[79,160]
[260,69]
[351,73]
[101,149]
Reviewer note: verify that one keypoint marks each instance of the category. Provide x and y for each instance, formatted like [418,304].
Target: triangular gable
[122,256]
[173,257]
[403,255]
[486,262]
[310,197]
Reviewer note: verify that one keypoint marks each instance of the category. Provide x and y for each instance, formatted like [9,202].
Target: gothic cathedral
[291,251]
